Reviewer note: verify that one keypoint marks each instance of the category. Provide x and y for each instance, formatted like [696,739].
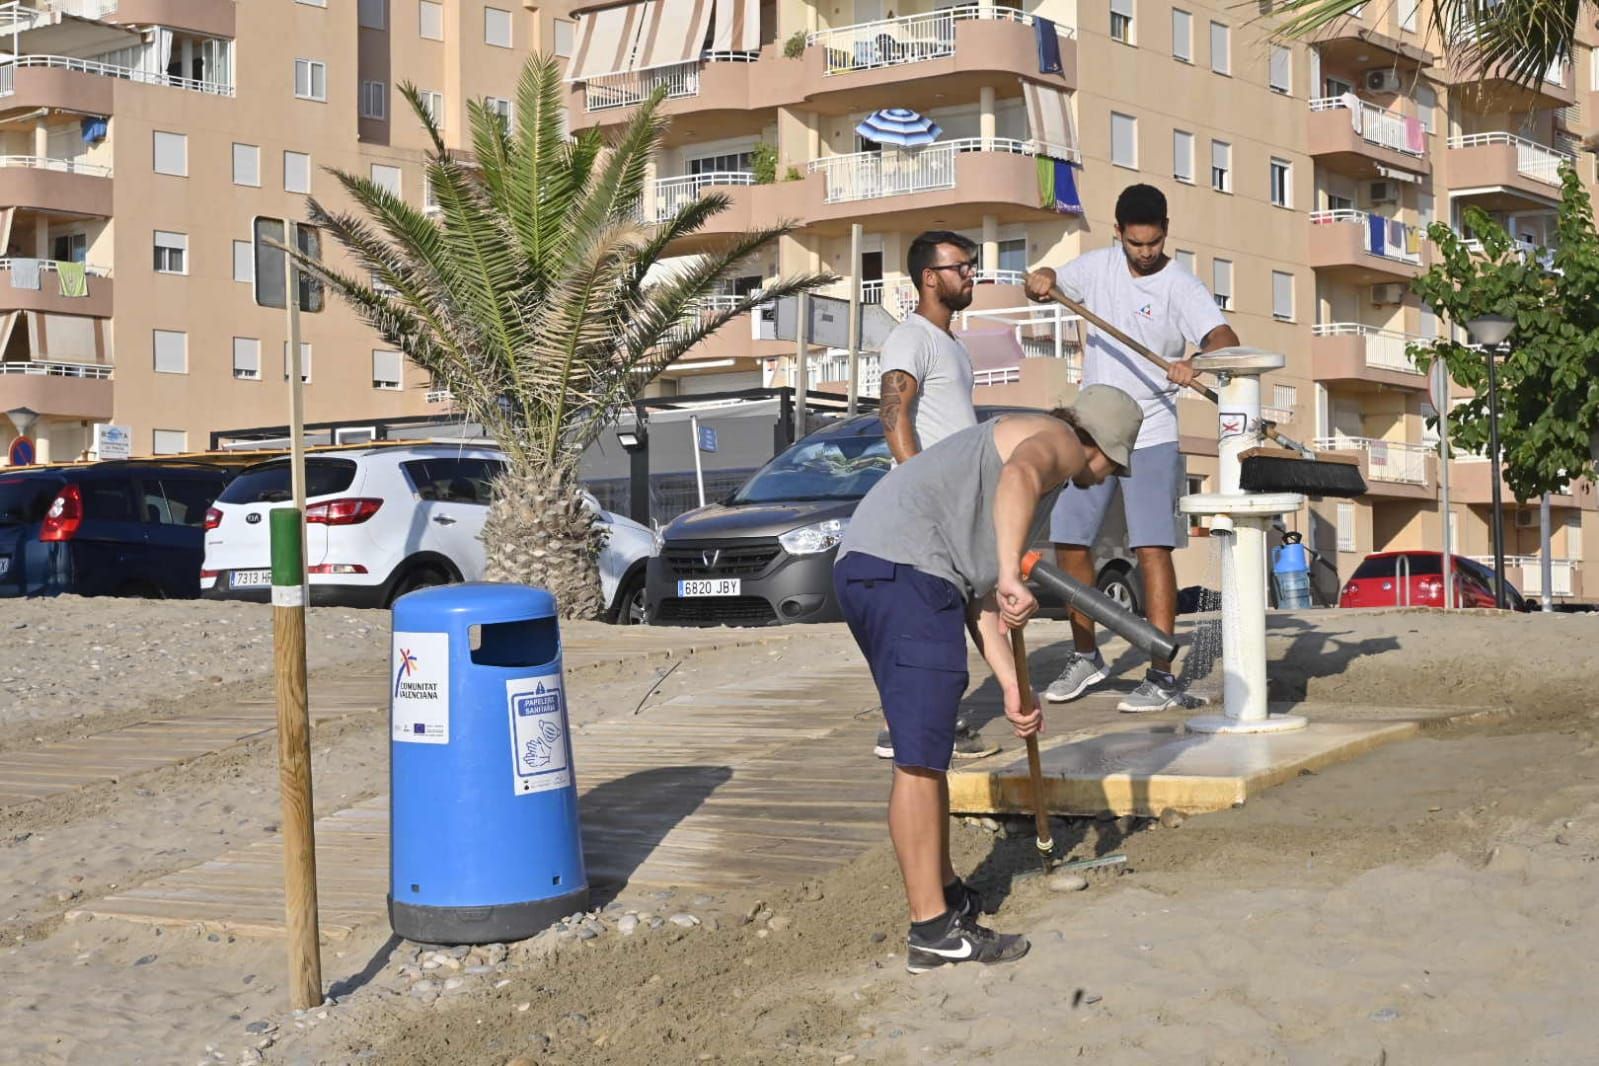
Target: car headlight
[808,540]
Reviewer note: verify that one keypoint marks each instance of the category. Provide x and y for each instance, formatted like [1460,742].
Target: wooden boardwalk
[744,785]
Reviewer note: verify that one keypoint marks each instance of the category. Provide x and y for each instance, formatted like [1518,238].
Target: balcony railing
[1379,126]
[439,396]
[1388,249]
[105,70]
[1385,460]
[60,166]
[1561,572]
[58,370]
[834,369]
[50,265]
[1385,348]
[674,194]
[1042,331]
[891,172]
[708,304]
[629,87]
[1535,161]
[907,39]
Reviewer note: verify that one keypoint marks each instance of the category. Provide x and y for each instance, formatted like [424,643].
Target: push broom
[1298,469]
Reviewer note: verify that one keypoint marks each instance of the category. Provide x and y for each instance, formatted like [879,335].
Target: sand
[1428,902]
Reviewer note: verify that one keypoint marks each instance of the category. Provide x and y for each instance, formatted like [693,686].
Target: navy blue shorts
[912,628]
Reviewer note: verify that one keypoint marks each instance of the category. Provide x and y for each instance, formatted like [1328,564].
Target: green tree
[531,298]
[1549,382]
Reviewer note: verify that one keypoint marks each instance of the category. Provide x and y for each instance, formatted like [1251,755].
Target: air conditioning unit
[1382,81]
[1383,192]
[1389,293]
[1526,519]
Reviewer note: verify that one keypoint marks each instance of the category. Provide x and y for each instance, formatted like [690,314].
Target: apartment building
[139,139]
[1301,178]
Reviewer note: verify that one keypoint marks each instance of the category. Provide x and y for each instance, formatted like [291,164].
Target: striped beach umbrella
[899,127]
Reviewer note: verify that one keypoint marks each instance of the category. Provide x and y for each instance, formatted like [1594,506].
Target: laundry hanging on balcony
[737,26]
[655,33]
[1057,187]
[899,127]
[1048,45]
[95,129]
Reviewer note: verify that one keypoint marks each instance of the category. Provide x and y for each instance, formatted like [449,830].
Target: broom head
[1273,470]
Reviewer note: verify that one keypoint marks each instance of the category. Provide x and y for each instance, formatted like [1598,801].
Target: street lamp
[1491,332]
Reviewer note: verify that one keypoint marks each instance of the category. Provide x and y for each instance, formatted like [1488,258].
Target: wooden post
[294,758]
[855,231]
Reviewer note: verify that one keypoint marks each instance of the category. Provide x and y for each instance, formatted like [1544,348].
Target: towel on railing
[1396,236]
[1413,240]
[24,273]
[1376,234]
[1352,103]
[1048,45]
[1057,187]
[74,279]
[1415,139]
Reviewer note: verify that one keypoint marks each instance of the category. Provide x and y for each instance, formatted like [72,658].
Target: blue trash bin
[484,840]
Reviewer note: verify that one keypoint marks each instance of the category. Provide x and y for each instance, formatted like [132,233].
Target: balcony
[48,298]
[72,84]
[1494,90]
[1356,141]
[198,16]
[1352,41]
[1525,574]
[58,185]
[1502,171]
[665,197]
[64,390]
[1362,355]
[1391,468]
[1364,248]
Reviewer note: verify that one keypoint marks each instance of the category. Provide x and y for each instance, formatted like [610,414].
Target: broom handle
[1035,769]
[1204,390]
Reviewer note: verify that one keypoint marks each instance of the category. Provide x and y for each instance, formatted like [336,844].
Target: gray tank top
[936,513]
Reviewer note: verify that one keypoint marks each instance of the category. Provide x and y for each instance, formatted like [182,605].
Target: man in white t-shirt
[1158,302]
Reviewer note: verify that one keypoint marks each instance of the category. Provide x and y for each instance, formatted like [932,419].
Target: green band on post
[288,559]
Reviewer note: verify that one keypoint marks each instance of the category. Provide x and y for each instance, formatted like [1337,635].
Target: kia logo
[254,518]
[710,558]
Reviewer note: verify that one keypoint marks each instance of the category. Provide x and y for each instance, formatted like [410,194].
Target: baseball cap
[1113,419]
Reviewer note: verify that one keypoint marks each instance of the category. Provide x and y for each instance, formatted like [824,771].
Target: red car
[1416,579]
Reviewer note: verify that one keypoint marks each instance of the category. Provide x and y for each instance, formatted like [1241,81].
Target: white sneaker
[1082,673]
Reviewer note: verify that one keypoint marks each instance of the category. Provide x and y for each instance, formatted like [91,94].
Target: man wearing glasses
[927,382]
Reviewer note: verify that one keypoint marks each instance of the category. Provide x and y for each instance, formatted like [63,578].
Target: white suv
[384,521]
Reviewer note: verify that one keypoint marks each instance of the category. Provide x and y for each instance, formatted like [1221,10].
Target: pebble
[522,1008]
[423,987]
[431,965]
[502,982]
[627,924]
[249,1056]
[588,932]
[687,921]
[453,983]
[1172,818]
[656,923]
[1067,882]
[842,1060]
[879,936]
[1562,838]
[755,910]
[145,960]
[496,954]
[780,923]
[258,1027]
[478,971]
[988,824]
[1384,1014]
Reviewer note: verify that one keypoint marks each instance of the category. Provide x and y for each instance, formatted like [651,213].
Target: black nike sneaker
[963,899]
[962,940]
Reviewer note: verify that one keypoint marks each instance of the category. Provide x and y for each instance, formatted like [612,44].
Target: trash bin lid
[472,603]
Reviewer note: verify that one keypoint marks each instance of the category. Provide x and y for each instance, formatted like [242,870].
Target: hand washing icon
[540,750]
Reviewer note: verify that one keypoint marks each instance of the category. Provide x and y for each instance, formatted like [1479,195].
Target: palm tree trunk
[539,533]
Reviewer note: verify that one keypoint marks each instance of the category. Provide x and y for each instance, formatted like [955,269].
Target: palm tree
[1521,38]
[531,299]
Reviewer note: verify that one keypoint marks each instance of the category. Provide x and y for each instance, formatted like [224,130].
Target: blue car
[134,528]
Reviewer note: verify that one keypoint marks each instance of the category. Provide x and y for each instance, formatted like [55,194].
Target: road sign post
[1438,385]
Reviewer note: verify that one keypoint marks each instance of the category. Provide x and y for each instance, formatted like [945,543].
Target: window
[1182,155]
[1221,166]
[433,104]
[386,178]
[1346,527]
[1124,140]
[1221,283]
[305,361]
[1282,301]
[171,252]
[70,248]
[1121,21]
[313,3]
[1282,183]
[1012,255]
[171,351]
[182,501]
[172,154]
[500,107]
[564,34]
[387,370]
[1185,259]
[1220,49]
[247,165]
[170,442]
[1407,14]
[296,172]
[430,20]
[310,79]
[247,358]
[496,27]
[1281,74]
[1427,103]
[430,196]
[455,480]
[1339,203]
[244,262]
[374,14]
[374,99]
[724,163]
[1285,397]
[1593,70]
[1182,35]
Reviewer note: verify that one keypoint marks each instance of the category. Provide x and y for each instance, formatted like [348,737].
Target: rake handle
[1035,768]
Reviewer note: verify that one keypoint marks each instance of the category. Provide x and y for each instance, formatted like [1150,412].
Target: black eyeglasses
[966,269]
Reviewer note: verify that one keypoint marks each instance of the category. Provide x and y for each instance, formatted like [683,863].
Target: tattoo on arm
[896,386]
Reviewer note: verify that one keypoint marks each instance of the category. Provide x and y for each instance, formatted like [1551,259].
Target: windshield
[836,467]
[1388,566]
[26,499]
[271,483]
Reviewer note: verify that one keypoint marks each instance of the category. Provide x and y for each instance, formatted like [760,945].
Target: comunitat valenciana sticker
[541,753]
[420,694]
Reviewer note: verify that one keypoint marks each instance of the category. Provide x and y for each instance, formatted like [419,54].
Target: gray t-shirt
[937,514]
[943,373]
[1164,311]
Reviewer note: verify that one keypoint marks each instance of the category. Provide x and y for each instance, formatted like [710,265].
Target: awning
[1398,175]
[992,349]
[605,41]
[674,32]
[1049,117]
[738,26]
